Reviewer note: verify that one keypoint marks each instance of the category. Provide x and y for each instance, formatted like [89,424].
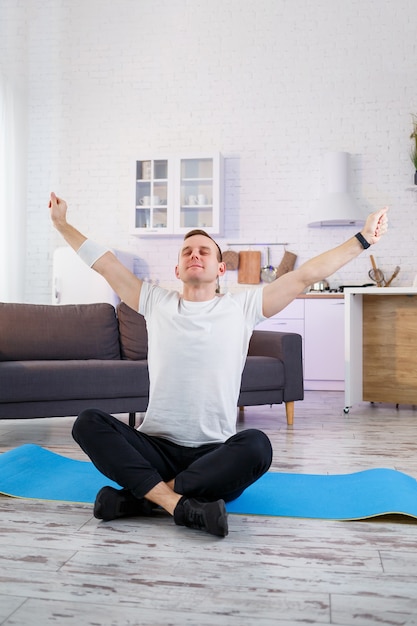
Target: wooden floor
[59,565]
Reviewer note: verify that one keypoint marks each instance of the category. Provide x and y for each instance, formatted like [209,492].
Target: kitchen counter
[322,295]
[380,345]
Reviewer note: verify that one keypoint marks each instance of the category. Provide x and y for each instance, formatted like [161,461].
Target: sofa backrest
[133,333]
[30,332]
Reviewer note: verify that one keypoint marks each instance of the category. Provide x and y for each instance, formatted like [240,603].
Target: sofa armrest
[288,348]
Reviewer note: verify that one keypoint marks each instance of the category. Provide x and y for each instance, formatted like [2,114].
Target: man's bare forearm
[72,236]
[329,262]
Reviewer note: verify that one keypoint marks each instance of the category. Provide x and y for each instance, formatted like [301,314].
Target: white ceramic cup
[201,199]
[192,200]
[148,200]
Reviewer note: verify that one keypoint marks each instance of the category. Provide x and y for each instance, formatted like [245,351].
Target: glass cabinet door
[152,194]
[196,193]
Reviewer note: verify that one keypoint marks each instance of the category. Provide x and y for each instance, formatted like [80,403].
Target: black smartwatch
[365,244]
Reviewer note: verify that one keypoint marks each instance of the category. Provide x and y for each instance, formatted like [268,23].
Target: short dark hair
[197,231]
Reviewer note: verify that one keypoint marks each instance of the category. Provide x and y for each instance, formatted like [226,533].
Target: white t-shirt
[196,355]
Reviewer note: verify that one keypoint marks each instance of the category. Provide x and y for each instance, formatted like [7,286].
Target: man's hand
[376,225]
[58,210]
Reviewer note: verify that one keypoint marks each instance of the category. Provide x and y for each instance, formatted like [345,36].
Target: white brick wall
[272,84]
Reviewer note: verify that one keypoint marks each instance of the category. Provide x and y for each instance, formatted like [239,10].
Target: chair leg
[289,410]
[132,419]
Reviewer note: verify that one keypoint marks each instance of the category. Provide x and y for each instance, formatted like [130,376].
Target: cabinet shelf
[196,180]
[197,207]
[147,180]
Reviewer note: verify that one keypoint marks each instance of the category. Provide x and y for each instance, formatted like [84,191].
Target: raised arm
[122,281]
[282,291]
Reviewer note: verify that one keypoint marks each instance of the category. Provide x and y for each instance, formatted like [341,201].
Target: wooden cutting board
[249,272]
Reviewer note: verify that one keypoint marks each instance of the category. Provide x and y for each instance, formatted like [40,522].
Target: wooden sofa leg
[132,419]
[289,410]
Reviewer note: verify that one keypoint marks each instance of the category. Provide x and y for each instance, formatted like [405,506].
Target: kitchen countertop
[321,295]
[381,291]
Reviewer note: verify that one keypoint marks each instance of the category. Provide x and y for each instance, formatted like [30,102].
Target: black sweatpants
[138,462]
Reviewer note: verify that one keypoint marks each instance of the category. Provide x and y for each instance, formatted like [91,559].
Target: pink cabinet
[324,363]
[290,320]
[320,322]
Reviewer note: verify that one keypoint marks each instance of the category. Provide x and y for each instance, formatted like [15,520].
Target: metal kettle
[320,285]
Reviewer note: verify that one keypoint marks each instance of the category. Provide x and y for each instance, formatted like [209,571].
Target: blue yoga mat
[30,471]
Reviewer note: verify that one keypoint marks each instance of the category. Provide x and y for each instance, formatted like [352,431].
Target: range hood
[337,207]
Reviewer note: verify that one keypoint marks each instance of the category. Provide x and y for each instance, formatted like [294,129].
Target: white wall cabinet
[179,193]
[320,322]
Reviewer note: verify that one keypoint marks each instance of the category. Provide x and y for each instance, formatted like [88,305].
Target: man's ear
[177,272]
[222,268]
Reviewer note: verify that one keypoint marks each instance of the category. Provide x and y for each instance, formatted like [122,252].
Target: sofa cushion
[25,381]
[262,373]
[133,333]
[64,332]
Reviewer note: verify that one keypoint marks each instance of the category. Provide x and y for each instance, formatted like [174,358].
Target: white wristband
[90,251]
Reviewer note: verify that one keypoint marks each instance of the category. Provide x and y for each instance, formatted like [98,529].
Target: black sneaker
[113,503]
[208,516]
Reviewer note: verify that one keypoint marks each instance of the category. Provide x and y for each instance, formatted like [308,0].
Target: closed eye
[204,250]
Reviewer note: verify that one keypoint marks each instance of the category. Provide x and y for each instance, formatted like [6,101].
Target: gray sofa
[59,360]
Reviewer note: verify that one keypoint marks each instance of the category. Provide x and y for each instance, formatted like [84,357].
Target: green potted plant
[413,151]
